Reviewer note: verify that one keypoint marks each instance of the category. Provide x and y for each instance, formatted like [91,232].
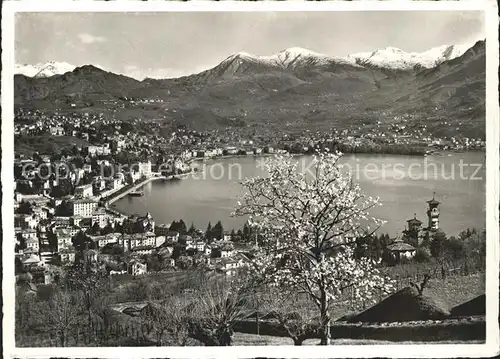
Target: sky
[163,45]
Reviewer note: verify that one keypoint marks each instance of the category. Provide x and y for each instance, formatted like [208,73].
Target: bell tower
[433,214]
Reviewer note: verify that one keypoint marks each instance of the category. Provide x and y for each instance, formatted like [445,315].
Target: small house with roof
[162,229]
[137,268]
[187,240]
[226,250]
[90,256]
[142,250]
[173,236]
[63,238]
[32,260]
[147,223]
[33,244]
[67,255]
[229,265]
[29,234]
[414,224]
[100,217]
[399,249]
[200,246]
[160,240]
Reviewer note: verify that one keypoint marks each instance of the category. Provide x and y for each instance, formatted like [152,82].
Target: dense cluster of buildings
[44,240]
[61,193]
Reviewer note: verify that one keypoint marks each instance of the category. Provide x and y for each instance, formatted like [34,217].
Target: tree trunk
[297,341]
[62,338]
[325,320]
[89,317]
[325,332]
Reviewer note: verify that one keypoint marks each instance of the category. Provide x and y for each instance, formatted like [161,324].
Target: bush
[437,244]
[422,255]
[454,249]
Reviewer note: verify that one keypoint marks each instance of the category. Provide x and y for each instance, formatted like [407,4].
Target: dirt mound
[403,306]
[475,306]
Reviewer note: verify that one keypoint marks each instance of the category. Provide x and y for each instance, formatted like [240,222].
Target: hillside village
[63,187]
[107,134]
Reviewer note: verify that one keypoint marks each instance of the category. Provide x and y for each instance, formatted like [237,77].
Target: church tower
[433,214]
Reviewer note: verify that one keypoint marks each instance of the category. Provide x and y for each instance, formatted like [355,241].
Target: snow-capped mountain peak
[298,51]
[46,69]
[388,57]
[390,49]
[299,58]
[394,58]
[292,57]
[293,54]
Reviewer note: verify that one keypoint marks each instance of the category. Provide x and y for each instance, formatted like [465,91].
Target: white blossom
[308,225]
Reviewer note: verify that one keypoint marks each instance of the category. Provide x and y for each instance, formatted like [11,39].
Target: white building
[172,236]
[57,131]
[67,255]
[99,150]
[231,150]
[107,239]
[28,234]
[143,250]
[145,169]
[200,246]
[84,191]
[84,207]
[138,268]
[75,220]
[100,217]
[160,240]
[63,239]
[39,213]
[32,243]
[141,240]
[226,252]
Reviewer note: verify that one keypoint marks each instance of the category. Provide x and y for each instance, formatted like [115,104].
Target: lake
[403,183]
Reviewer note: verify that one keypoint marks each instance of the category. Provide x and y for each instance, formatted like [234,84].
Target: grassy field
[456,290]
[450,292]
[27,145]
[241,339]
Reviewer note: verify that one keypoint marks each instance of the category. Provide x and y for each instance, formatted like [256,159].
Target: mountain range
[46,69]
[294,88]
[389,57]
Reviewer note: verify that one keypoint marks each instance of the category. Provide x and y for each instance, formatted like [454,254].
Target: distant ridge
[388,58]
[46,69]
[294,87]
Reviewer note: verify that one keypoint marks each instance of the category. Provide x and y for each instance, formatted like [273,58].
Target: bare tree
[420,288]
[89,279]
[216,309]
[294,313]
[170,320]
[60,314]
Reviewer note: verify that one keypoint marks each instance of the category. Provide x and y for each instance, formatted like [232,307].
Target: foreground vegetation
[315,263]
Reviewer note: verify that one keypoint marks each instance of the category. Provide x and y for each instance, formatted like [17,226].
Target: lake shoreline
[438,154]
[201,199]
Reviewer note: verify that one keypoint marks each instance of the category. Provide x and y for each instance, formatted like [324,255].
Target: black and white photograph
[260,178]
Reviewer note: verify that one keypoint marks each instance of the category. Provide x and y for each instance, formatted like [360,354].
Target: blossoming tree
[308,220]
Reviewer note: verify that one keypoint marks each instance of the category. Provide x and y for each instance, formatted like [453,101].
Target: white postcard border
[492,184]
